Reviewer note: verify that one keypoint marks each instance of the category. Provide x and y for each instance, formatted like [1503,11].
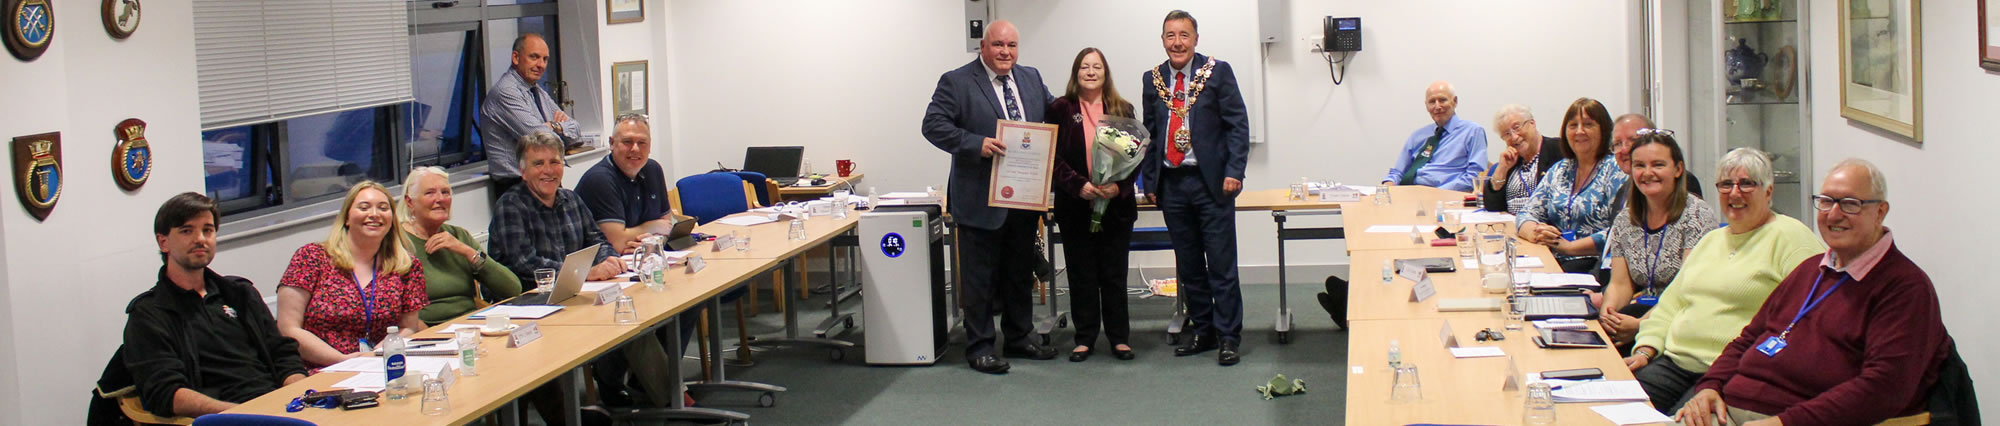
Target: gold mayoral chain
[1183,141]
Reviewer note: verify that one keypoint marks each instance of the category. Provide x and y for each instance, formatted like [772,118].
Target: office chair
[708,197]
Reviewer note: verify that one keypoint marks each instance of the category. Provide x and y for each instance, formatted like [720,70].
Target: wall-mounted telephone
[1343,34]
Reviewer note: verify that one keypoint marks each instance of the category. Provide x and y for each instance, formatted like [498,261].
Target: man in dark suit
[996,245]
[1193,171]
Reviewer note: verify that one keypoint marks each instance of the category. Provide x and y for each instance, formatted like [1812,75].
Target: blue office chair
[248,420]
[766,189]
[708,197]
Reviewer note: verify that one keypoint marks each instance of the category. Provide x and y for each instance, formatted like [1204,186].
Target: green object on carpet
[1279,386]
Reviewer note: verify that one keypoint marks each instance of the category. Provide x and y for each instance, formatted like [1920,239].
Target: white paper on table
[518,312]
[1562,280]
[1479,217]
[1565,325]
[1388,229]
[746,220]
[373,364]
[1527,262]
[453,329]
[371,382]
[597,286]
[1477,352]
[901,195]
[1601,391]
[1635,413]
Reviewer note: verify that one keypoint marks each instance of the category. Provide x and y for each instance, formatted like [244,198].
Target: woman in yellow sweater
[1722,284]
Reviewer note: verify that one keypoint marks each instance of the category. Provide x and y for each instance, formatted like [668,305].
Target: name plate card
[1513,380]
[609,294]
[696,264]
[723,243]
[1445,335]
[448,375]
[1339,193]
[820,209]
[1423,290]
[524,335]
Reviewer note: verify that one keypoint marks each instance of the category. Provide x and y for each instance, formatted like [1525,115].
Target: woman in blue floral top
[1571,208]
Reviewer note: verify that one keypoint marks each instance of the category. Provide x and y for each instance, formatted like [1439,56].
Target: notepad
[597,286]
[370,382]
[1477,352]
[1601,391]
[1631,414]
[518,312]
[453,329]
[371,364]
[746,220]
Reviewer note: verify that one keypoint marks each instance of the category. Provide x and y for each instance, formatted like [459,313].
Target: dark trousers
[1098,263]
[1203,230]
[1667,384]
[999,274]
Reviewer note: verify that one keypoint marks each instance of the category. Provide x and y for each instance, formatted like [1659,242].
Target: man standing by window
[516,107]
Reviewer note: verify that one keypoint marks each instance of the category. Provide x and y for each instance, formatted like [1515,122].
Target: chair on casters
[767,195]
[1155,238]
[708,197]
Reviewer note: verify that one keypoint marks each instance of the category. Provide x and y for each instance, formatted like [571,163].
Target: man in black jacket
[197,342]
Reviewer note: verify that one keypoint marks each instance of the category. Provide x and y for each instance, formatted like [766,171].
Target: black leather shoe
[989,364]
[1075,356]
[1196,345]
[1122,355]
[1030,351]
[1227,356]
[1333,309]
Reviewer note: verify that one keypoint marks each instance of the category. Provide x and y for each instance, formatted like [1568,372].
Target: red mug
[846,167]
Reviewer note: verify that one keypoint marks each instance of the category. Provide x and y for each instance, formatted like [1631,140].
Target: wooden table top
[819,191]
[1458,391]
[1368,298]
[505,374]
[769,241]
[682,293]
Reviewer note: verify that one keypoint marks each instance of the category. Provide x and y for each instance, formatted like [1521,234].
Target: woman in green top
[453,261]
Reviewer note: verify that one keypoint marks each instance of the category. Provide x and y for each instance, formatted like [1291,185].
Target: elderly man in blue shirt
[1447,153]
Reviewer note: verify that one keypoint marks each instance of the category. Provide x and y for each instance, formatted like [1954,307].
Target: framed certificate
[1020,179]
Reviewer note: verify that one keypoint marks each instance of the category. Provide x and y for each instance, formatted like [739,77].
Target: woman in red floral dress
[341,295]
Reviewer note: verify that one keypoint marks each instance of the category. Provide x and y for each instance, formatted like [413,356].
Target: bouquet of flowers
[1119,147]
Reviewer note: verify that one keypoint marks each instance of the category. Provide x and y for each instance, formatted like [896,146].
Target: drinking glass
[545,279]
[436,403]
[1540,405]
[798,231]
[1517,308]
[1381,195]
[742,241]
[1406,388]
[626,312]
[1298,192]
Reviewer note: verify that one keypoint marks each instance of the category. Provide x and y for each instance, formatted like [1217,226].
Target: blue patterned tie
[1013,109]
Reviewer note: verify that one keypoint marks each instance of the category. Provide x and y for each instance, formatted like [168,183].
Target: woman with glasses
[1723,282]
[1653,234]
[1521,167]
[1571,207]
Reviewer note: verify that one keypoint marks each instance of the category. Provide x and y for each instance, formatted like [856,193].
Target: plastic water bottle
[394,366]
[1388,271]
[873,201]
[1395,354]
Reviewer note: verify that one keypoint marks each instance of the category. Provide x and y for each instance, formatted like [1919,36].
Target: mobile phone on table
[1575,374]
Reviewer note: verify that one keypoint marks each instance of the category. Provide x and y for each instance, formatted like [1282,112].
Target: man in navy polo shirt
[627,192]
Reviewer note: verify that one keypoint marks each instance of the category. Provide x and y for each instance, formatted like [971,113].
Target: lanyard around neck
[1813,302]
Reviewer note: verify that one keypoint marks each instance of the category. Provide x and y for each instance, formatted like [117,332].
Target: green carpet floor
[1156,388]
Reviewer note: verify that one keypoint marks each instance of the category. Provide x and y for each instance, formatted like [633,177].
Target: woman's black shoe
[1122,354]
[1081,356]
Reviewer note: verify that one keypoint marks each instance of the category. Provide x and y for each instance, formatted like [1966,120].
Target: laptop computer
[569,279]
[1563,306]
[779,163]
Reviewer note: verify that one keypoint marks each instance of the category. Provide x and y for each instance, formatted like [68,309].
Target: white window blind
[259,61]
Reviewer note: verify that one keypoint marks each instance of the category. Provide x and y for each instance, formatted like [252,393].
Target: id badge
[1771,346]
[1569,235]
[1648,300]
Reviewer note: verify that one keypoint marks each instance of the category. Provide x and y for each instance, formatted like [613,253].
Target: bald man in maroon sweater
[1869,342]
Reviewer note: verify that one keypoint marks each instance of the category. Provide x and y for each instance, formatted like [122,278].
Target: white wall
[1941,230]
[68,277]
[851,80]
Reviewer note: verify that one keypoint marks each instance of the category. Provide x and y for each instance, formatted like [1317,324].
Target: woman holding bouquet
[1094,204]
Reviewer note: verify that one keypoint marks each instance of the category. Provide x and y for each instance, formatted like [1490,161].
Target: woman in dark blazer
[1097,260]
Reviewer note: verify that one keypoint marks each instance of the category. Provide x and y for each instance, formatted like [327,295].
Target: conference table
[584,330]
[1455,390]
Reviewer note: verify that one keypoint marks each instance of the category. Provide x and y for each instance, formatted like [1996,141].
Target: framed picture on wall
[1989,46]
[623,11]
[629,88]
[1882,66]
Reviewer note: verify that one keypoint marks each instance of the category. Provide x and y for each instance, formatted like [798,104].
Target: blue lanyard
[1652,271]
[1527,174]
[1812,302]
[1574,193]
[368,306]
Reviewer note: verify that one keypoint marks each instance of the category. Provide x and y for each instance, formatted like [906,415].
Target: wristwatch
[1650,353]
[478,259]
